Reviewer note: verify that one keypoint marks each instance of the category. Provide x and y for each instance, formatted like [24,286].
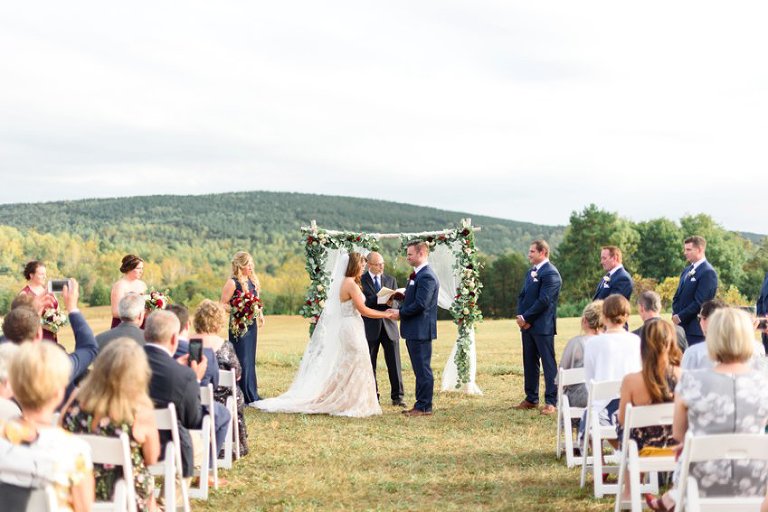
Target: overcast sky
[521,110]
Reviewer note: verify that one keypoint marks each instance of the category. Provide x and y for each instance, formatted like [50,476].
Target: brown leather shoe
[548,410]
[525,405]
[417,412]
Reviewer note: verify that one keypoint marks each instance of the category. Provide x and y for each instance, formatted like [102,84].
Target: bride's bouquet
[246,308]
[156,300]
[53,320]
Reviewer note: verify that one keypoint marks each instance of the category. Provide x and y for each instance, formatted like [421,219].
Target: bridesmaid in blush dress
[37,280]
[244,278]
[132,268]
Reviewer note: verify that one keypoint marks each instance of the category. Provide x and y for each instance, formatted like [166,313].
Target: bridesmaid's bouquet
[53,320]
[246,308]
[156,300]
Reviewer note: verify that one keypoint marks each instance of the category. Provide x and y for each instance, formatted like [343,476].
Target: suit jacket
[418,312]
[682,341]
[537,302]
[123,330]
[762,299]
[176,384]
[692,292]
[373,326]
[619,283]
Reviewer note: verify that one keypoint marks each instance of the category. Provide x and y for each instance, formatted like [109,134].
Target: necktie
[376,283]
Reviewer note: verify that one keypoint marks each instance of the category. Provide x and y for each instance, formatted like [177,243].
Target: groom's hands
[394,314]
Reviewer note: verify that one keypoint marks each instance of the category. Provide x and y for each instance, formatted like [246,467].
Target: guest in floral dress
[730,398]
[113,400]
[210,319]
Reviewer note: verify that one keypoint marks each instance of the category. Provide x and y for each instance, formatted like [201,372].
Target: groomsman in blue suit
[698,284]
[616,279]
[418,324]
[762,307]
[536,316]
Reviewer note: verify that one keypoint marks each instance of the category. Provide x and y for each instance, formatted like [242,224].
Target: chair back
[114,451]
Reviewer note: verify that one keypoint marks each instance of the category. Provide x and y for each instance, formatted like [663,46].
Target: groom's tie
[376,284]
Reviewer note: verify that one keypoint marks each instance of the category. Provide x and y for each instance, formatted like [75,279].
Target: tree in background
[726,251]
[502,280]
[754,271]
[578,255]
[659,252]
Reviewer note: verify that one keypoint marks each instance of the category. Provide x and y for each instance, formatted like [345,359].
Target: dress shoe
[548,410]
[417,412]
[524,405]
[398,403]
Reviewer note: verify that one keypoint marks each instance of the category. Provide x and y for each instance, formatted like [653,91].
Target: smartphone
[762,324]
[57,285]
[195,351]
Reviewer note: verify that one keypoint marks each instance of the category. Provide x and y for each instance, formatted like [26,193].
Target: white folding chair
[719,447]
[170,467]
[28,477]
[207,434]
[565,413]
[232,443]
[115,451]
[596,433]
[632,464]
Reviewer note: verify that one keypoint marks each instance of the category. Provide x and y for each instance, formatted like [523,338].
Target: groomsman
[616,279]
[762,308]
[536,316]
[698,284]
[382,331]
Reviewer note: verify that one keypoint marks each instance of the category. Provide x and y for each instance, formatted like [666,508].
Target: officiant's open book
[385,294]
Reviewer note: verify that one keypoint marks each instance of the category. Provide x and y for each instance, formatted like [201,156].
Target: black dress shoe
[398,403]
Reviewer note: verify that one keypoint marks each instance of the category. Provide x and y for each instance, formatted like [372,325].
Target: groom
[418,324]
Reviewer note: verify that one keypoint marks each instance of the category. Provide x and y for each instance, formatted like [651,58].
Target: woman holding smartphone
[37,280]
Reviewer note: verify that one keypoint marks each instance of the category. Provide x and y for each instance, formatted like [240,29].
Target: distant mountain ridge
[258,217]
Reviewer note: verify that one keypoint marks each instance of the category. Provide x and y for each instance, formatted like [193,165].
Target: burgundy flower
[412,277]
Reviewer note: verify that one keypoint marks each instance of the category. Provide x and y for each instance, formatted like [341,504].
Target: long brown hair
[656,338]
[354,266]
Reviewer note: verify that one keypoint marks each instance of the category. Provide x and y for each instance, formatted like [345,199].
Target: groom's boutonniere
[606,279]
[692,273]
[412,277]
[534,274]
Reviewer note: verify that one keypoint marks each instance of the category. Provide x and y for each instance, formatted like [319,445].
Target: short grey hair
[160,327]
[650,301]
[7,351]
[130,306]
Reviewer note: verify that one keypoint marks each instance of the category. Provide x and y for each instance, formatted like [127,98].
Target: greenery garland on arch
[461,241]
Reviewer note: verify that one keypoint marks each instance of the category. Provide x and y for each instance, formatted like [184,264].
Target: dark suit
[619,283]
[537,303]
[693,291]
[762,306]
[418,325]
[383,332]
[123,330]
[682,341]
[176,384]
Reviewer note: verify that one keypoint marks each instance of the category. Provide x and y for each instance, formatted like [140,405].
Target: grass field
[474,453]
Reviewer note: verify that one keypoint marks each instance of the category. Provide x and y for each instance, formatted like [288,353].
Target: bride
[335,376]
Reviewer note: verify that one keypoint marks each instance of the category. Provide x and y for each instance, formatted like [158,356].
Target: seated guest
[174,382]
[113,400]
[8,407]
[649,307]
[131,308]
[732,397]
[611,355]
[210,319]
[23,324]
[39,374]
[654,384]
[697,357]
[212,371]
[573,354]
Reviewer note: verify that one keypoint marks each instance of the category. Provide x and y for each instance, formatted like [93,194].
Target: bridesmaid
[244,278]
[37,280]
[132,268]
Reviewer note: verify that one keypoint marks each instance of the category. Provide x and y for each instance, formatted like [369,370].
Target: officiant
[382,332]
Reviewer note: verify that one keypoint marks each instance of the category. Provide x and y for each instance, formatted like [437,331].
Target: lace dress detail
[350,389]
[228,361]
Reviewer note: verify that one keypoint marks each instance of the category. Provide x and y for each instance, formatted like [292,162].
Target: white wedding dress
[335,376]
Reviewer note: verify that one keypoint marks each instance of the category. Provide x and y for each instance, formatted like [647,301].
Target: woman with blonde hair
[573,354]
[210,319]
[335,374]
[112,400]
[39,374]
[244,280]
[132,268]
